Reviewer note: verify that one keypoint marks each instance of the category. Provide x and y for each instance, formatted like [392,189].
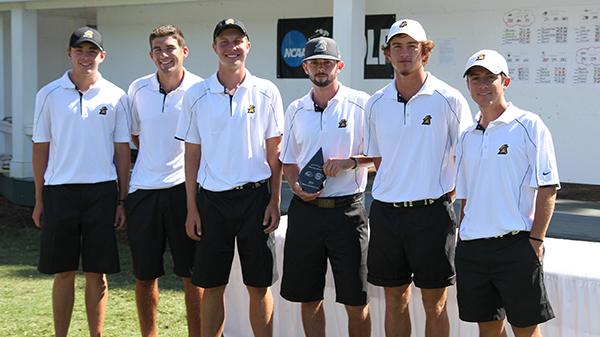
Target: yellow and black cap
[230,23]
[85,34]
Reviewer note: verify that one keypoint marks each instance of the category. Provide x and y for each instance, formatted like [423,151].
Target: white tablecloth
[572,279]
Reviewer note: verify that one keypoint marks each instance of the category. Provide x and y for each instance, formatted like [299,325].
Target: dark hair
[167,30]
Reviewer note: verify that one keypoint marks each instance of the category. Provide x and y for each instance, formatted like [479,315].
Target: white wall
[459,28]
[54,30]
[126,31]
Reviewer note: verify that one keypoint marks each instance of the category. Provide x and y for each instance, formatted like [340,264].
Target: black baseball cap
[229,23]
[85,34]
[321,48]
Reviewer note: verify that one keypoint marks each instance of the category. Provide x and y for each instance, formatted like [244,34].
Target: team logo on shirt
[403,24]
[251,109]
[426,120]
[342,124]
[103,110]
[503,149]
[480,57]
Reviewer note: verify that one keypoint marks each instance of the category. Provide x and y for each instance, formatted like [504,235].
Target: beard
[321,81]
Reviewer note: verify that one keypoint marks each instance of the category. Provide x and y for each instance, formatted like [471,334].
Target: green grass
[25,306]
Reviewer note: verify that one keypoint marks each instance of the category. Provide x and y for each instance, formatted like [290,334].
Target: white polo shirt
[231,130]
[154,117]
[499,171]
[415,140]
[81,129]
[338,130]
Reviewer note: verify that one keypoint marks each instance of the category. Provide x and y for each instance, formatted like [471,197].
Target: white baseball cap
[490,60]
[409,27]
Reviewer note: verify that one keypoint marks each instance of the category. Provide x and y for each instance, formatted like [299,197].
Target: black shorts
[501,277]
[315,234]
[227,217]
[78,219]
[153,218]
[412,243]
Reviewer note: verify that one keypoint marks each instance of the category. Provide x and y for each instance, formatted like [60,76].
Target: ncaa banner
[376,31]
[292,35]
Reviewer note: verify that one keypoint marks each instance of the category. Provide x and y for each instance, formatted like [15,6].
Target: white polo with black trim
[338,130]
[231,129]
[154,117]
[499,171]
[82,129]
[415,140]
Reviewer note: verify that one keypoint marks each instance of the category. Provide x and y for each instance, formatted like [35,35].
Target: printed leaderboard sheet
[553,46]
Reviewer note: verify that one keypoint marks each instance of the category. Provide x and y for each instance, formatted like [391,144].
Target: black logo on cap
[403,24]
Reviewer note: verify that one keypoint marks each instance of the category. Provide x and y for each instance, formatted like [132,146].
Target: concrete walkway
[575,220]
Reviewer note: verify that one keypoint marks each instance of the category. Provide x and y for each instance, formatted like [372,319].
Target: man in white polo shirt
[156,202]
[507,180]
[80,147]
[412,130]
[232,124]
[331,223]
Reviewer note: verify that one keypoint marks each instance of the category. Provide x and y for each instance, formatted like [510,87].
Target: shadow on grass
[19,252]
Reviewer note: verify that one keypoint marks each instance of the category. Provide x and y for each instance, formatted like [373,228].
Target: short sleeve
[371,148]
[289,148]
[542,157]
[276,118]
[123,123]
[187,126]
[134,116]
[462,118]
[461,176]
[41,118]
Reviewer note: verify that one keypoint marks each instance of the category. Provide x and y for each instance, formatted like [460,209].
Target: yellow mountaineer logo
[503,149]
[103,110]
[251,109]
[480,57]
[89,34]
[229,21]
[343,123]
[426,120]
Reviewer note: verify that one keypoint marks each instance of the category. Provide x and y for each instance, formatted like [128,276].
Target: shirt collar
[216,87]
[309,104]
[65,81]
[506,117]
[185,83]
[428,88]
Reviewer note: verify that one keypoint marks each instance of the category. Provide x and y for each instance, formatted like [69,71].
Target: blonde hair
[426,48]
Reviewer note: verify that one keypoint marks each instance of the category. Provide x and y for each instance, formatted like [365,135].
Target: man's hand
[538,248]
[334,166]
[297,190]
[193,225]
[36,216]
[272,216]
[120,217]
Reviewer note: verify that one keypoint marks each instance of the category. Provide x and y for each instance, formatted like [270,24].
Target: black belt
[414,203]
[334,202]
[248,186]
[503,236]
[509,234]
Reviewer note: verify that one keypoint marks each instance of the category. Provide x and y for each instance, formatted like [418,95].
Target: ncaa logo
[292,48]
